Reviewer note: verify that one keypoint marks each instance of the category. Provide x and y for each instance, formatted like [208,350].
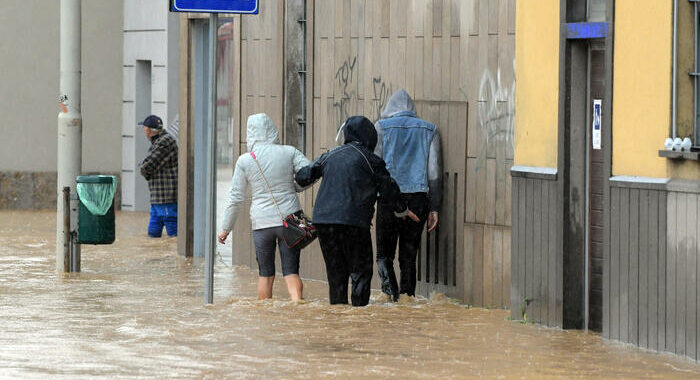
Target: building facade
[129,57]
[347,57]
[605,222]
[150,72]
[29,97]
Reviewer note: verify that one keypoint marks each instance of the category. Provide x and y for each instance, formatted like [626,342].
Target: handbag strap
[267,184]
[363,156]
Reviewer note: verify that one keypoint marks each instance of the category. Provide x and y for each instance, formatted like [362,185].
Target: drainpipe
[302,74]
[210,226]
[674,83]
[70,131]
[695,74]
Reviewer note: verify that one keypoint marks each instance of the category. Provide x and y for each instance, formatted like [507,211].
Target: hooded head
[360,129]
[399,103]
[261,131]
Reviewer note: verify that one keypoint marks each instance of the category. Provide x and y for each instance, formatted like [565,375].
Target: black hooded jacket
[352,177]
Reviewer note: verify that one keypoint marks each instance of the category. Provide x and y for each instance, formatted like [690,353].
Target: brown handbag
[297,229]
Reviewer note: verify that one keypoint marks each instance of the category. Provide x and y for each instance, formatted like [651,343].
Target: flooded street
[136,311]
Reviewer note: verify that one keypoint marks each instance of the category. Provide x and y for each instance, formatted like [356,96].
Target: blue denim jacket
[411,149]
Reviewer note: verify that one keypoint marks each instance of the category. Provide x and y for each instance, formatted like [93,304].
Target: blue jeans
[163,214]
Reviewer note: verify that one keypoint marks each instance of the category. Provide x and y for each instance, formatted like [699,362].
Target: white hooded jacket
[279,163]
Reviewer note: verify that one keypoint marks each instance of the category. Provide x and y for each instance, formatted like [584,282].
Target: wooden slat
[456,56]
[506,271]
[653,271]
[398,18]
[436,11]
[336,13]
[490,195]
[521,244]
[543,255]
[615,263]
[493,9]
[661,311]
[624,263]
[638,261]
[511,16]
[494,123]
[478,273]
[446,53]
[481,174]
[470,194]
[681,263]
[514,251]
[691,277]
[537,261]
[477,15]
[501,183]
[437,70]
[465,66]
[671,253]
[508,196]
[428,56]
[455,21]
[497,270]
[553,268]
[533,205]
[469,238]
[488,266]
[446,230]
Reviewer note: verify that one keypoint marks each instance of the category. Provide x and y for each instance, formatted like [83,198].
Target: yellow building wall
[536,82]
[642,86]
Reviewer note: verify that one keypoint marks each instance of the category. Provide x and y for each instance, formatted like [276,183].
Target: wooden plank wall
[456,58]
[653,275]
[536,262]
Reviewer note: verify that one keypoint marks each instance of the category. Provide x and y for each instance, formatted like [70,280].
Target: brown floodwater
[136,311]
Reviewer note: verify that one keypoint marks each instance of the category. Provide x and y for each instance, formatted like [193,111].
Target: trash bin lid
[95,179]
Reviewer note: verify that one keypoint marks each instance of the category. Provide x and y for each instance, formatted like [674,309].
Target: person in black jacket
[352,177]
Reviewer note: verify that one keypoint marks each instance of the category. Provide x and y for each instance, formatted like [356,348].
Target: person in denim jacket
[410,147]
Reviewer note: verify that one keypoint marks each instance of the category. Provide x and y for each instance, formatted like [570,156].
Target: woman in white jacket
[279,163]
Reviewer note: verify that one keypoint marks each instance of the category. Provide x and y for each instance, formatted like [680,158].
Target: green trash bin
[96,209]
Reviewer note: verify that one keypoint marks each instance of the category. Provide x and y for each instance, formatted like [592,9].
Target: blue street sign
[215,6]
[586,30]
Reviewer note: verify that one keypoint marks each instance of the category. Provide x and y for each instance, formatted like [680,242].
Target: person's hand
[413,216]
[222,237]
[432,221]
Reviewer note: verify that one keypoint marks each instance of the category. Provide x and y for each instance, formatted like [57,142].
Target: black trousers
[407,233]
[347,251]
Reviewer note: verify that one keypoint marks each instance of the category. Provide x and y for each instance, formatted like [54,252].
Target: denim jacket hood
[410,147]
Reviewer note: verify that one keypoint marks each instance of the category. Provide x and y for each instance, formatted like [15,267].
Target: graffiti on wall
[344,77]
[344,82]
[382,92]
[496,111]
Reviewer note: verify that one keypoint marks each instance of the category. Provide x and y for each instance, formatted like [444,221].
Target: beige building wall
[29,96]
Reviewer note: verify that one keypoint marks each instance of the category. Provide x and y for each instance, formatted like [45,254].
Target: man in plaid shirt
[160,170]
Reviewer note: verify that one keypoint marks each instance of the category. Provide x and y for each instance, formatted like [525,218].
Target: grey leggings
[266,241]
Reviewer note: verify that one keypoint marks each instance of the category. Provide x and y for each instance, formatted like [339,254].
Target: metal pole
[75,253]
[696,132]
[210,243]
[66,228]
[302,72]
[69,123]
[674,71]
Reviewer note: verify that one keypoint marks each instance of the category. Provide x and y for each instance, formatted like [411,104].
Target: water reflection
[136,311]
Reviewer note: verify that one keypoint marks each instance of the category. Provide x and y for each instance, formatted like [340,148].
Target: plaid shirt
[160,169]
